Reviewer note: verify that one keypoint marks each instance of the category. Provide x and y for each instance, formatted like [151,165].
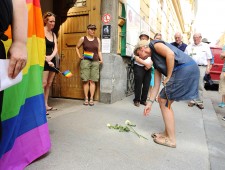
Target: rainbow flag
[24,125]
[67,73]
[88,55]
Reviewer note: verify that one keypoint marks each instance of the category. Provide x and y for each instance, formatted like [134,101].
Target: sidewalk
[82,141]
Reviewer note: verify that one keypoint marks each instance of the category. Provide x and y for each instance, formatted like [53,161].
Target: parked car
[217,66]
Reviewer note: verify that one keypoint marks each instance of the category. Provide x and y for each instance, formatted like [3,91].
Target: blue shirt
[182,47]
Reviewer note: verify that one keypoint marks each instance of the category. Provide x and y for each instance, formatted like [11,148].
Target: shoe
[164,141]
[157,135]
[85,102]
[223,118]
[91,102]
[191,104]
[221,105]
[51,109]
[200,106]
[143,103]
[136,103]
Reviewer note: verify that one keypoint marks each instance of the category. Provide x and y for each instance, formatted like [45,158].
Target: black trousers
[142,80]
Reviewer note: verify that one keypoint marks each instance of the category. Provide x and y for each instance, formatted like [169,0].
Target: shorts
[89,70]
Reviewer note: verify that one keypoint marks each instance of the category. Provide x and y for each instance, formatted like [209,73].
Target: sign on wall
[106,38]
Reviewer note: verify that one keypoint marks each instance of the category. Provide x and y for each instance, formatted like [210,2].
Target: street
[81,140]
[215,97]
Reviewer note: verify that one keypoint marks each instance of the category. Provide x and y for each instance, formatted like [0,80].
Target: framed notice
[106,32]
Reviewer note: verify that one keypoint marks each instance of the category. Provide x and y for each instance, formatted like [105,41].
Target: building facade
[125,19]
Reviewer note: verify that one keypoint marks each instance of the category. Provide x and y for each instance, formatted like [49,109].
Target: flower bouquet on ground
[129,127]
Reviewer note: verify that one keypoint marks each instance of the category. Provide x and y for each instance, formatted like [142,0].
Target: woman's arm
[154,92]
[80,42]
[148,65]
[166,52]
[18,50]
[99,52]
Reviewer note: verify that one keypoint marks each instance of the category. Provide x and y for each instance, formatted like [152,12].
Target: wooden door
[72,27]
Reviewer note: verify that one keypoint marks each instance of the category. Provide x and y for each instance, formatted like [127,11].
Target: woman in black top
[17,17]
[51,51]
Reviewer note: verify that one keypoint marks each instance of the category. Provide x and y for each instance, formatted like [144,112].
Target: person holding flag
[50,60]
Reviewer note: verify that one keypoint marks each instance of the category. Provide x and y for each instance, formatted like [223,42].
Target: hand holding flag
[66,73]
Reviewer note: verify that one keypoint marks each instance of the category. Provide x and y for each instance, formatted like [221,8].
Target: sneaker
[221,105]
[223,118]
[136,103]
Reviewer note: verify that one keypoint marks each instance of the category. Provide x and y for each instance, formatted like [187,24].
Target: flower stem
[134,131]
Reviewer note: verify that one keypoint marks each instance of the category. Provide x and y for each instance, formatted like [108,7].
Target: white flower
[127,122]
[108,125]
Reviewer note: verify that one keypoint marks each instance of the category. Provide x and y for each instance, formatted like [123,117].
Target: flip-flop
[165,142]
[52,109]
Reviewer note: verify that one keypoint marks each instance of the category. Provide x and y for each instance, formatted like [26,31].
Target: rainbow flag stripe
[88,55]
[23,117]
[67,73]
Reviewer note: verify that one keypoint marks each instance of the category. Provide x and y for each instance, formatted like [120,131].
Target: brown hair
[46,15]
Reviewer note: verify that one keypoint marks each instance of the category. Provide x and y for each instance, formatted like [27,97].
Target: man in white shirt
[142,76]
[202,55]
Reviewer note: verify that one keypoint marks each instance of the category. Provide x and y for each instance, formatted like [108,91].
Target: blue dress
[183,84]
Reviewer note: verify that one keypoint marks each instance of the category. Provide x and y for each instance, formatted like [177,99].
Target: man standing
[142,76]
[202,55]
[178,42]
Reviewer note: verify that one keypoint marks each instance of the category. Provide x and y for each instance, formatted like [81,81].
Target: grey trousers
[201,88]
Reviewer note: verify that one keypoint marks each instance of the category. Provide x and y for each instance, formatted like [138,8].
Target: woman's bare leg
[47,84]
[168,117]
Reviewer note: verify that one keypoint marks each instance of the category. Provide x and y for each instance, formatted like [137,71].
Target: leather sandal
[91,102]
[164,141]
[200,106]
[157,135]
[190,104]
[85,102]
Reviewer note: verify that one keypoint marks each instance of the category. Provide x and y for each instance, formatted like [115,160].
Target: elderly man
[202,55]
[178,42]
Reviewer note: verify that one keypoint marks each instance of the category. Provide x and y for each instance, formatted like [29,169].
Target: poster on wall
[133,29]
[106,31]
[106,38]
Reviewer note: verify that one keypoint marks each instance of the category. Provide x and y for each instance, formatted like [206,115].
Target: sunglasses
[48,14]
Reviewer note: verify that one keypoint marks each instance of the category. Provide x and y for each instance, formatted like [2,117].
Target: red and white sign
[106,18]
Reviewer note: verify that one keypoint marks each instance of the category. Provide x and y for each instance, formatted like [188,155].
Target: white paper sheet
[5,81]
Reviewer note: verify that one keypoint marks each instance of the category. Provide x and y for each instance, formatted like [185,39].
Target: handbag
[159,62]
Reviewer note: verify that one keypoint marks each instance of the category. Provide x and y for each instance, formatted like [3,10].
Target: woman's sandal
[165,141]
[85,102]
[157,135]
[91,102]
